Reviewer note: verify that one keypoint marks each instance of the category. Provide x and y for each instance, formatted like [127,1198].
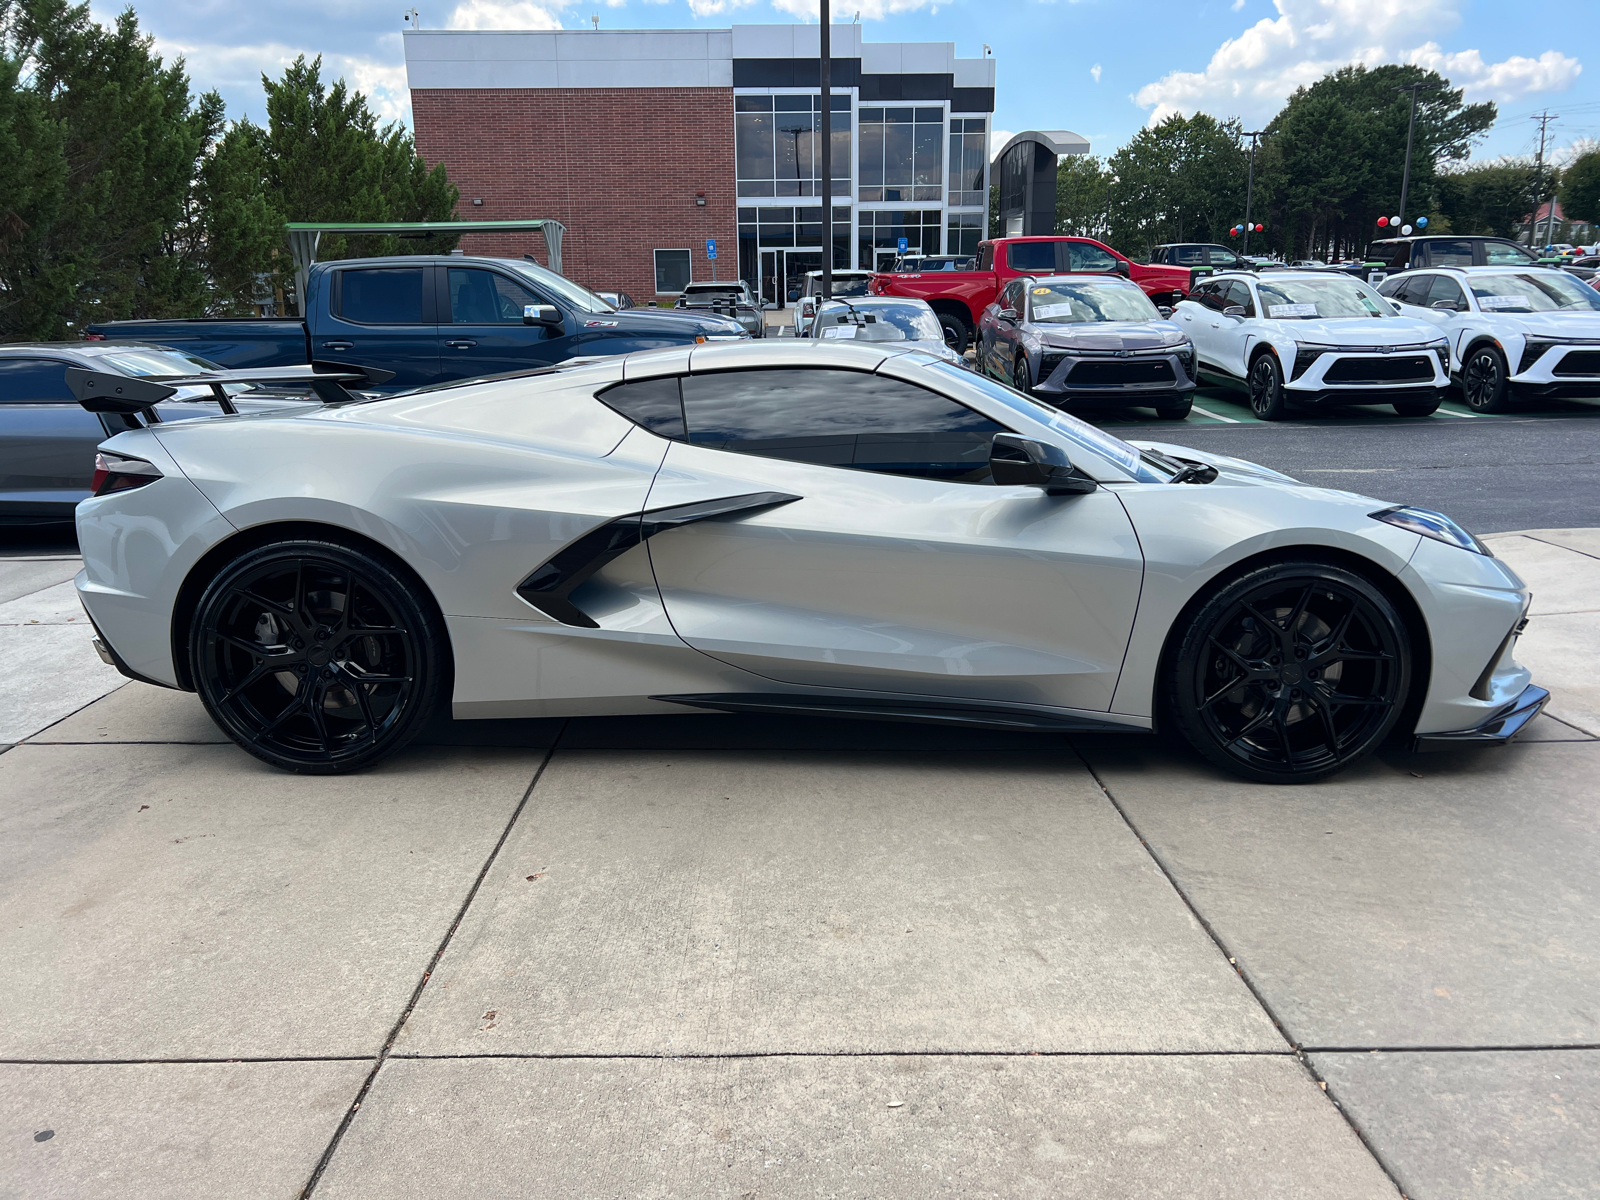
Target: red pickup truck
[959,297]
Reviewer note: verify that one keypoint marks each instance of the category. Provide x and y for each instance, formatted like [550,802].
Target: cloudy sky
[1100,67]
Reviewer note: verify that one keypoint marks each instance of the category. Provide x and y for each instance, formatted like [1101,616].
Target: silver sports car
[787,526]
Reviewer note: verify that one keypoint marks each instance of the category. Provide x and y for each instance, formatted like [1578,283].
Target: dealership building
[653,147]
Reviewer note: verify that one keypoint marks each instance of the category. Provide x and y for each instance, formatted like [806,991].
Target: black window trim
[429,296]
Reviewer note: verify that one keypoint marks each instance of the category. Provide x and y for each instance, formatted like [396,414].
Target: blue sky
[1100,67]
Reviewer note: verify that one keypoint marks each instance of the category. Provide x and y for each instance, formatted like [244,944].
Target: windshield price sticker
[839,331]
[1291,310]
[1503,302]
[1043,312]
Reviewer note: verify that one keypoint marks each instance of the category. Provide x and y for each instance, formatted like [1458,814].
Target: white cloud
[1095,71]
[842,10]
[710,8]
[1237,5]
[382,81]
[1253,74]
[517,14]
[997,140]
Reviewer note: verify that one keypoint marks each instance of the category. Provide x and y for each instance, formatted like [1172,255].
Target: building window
[902,154]
[775,145]
[964,234]
[672,271]
[880,234]
[969,154]
[776,234]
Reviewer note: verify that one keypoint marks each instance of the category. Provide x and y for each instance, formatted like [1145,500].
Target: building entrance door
[771,293]
[885,259]
[795,265]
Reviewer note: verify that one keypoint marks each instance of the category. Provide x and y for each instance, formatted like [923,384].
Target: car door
[47,441]
[1003,343]
[485,333]
[381,317]
[1195,314]
[886,561]
[1234,333]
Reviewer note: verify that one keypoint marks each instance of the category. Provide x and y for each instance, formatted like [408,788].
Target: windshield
[1078,433]
[575,294]
[879,323]
[1532,291]
[848,286]
[142,364]
[1322,298]
[1078,302]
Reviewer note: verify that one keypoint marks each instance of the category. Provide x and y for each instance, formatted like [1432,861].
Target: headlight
[1441,350]
[1304,356]
[1430,525]
[1532,351]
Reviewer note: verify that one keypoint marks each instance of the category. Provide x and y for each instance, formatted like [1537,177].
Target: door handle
[461,344]
[1216,324]
[338,345]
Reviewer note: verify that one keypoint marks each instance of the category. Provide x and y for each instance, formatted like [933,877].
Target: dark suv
[1201,255]
[1388,255]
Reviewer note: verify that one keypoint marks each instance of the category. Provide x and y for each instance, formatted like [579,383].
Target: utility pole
[1411,129]
[1250,190]
[1544,119]
[827,158]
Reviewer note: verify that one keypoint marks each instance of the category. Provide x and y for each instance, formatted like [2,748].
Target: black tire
[1175,412]
[317,657]
[1485,381]
[955,332]
[1021,377]
[1266,388]
[1319,663]
[1417,408]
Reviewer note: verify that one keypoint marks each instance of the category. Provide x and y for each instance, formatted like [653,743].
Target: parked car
[732,298]
[47,441]
[430,319]
[1069,339]
[959,297]
[904,324]
[615,298]
[1584,266]
[823,528]
[932,262]
[1389,256]
[1304,339]
[847,283]
[1512,333]
[1203,255]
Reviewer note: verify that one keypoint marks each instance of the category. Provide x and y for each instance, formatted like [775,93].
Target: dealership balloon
[1394,220]
[1382,221]
[1422,222]
[1405,229]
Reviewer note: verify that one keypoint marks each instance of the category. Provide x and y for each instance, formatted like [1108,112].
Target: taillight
[94,337]
[114,473]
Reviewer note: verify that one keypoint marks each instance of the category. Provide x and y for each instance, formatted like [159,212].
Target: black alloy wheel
[1021,377]
[1291,673]
[1485,383]
[1175,412]
[317,657]
[1266,388]
[955,332]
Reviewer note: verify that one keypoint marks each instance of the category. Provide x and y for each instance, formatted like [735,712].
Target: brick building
[646,145]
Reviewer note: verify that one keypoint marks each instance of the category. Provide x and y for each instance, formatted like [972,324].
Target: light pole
[1250,191]
[827,158]
[1411,128]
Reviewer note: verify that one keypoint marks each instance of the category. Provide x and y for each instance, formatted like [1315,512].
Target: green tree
[321,157]
[98,155]
[1182,180]
[1082,196]
[1492,198]
[1580,188]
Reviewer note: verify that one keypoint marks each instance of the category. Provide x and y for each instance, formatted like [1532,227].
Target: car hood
[1359,331]
[1110,335]
[1578,324]
[659,322]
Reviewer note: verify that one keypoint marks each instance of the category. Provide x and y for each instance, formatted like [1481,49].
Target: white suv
[1311,339]
[1528,331]
[846,283]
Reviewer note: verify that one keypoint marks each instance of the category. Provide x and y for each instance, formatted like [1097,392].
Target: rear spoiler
[105,392]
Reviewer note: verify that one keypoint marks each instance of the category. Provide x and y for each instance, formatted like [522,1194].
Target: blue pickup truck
[429,320]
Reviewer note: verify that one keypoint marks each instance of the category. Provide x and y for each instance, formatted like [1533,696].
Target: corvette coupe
[806,527]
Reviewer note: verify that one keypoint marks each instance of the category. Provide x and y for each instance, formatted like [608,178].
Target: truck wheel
[955,332]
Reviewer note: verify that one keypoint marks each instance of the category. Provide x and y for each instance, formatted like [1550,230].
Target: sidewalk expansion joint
[722,1056]
[164,1061]
[1506,1049]
[433,963]
[1221,945]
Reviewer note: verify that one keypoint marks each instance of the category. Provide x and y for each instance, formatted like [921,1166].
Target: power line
[1544,120]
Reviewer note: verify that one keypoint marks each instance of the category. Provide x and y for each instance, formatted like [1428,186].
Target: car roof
[837,271]
[19,349]
[1077,277]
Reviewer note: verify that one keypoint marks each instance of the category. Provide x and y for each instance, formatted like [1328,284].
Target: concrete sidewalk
[736,956]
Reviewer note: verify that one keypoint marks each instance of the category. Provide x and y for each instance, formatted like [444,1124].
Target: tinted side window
[382,296]
[1223,258]
[34,381]
[653,403]
[839,419]
[1445,289]
[985,257]
[486,298]
[1091,258]
[1239,293]
[1213,295]
[1187,256]
[1032,256]
[1497,253]
[1453,253]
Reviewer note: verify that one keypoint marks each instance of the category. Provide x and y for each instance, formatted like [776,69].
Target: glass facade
[902,154]
[882,229]
[963,233]
[775,144]
[969,157]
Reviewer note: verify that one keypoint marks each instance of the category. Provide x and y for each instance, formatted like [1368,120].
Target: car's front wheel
[1291,672]
[317,657]
[1485,381]
[1021,377]
[1266,388]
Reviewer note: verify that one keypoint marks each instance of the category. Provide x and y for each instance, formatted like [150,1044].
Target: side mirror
[1164,309]
[1234,310]
[541,314]
[1447,305]
[1007,314]
[1022,462]
[1396,305]
[1123,269]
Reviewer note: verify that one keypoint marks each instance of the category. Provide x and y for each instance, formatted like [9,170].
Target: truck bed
[234,342]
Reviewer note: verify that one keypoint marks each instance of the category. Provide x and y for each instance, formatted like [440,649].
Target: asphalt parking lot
[737,956]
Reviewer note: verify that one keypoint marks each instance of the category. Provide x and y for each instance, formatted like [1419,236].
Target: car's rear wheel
[317,657]
[1485,381]
[1175,412]
[1266,388]
[1021,377]
[1291,672]
[1417,408]
[955,332]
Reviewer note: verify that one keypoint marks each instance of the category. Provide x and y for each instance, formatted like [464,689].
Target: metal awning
[304,236]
